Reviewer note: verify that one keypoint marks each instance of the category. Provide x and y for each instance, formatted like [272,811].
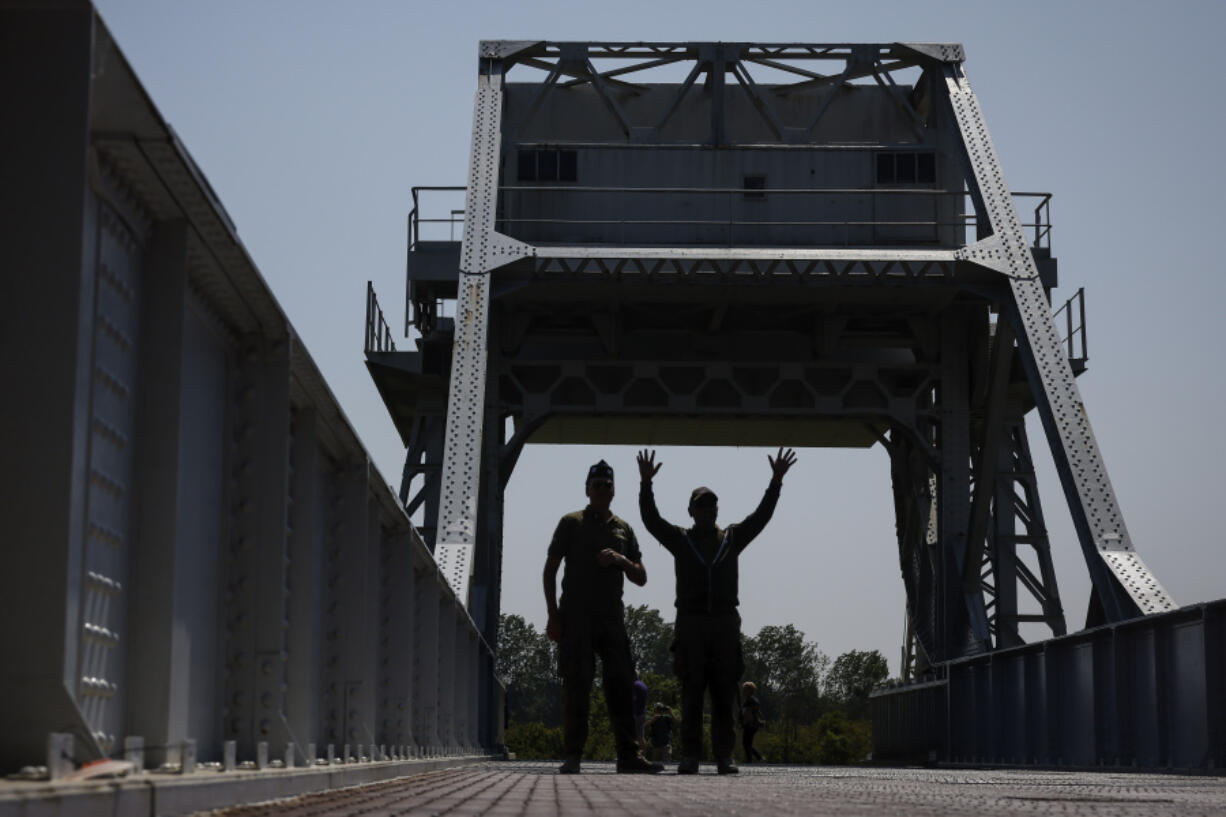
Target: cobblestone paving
[509,789]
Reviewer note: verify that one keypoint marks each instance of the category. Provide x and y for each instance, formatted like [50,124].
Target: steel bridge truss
[566,340]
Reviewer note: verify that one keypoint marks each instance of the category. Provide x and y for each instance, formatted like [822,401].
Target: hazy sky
[313,120]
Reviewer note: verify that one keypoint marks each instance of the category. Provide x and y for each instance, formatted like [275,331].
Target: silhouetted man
[707,650]
[598,548]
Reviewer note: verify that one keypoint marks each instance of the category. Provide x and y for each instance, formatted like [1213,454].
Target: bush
[841,741]
[833,740]
[535,741]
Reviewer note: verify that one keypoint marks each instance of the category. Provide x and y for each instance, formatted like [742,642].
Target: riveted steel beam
[1122,583]
[482,250]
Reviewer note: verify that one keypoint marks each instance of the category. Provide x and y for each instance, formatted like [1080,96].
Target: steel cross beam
[1123,585]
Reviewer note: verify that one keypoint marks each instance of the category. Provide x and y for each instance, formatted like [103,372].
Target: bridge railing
[211,566]
[378,333]
[1142,694]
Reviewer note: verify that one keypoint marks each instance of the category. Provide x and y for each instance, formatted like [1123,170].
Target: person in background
[751,721]
[660,733]
[640,711]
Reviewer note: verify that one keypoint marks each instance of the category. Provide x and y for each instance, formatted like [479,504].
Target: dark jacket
[706,561]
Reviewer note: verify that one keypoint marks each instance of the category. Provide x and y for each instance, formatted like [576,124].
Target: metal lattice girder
[743,265]
[1126,586]
[1017,501]
[482,250]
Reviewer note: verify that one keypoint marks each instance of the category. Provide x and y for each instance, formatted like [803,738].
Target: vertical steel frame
[425,658]
[1123,585]
[482,250]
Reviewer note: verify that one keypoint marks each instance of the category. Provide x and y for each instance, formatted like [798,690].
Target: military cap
[601,470]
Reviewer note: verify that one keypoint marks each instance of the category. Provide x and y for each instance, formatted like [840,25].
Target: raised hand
[780,463]
[648,467]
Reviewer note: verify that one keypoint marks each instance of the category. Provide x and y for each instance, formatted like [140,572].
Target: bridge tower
[755,244]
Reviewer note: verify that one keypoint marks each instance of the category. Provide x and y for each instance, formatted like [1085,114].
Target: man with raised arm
[599,549]
[707,650]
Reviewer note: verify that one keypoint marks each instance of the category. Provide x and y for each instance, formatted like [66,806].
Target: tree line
[816,709]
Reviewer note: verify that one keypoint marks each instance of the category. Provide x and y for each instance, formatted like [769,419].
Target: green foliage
[852,678]
[650,637]
[600,743]
[535,741]
[665,689]
[834,740]
[841,741]
[527,664]
[788,672]
[815,710]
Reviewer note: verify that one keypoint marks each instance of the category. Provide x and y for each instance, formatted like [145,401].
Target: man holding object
[599,549]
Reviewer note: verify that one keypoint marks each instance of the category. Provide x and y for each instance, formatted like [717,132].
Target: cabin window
[548,166]
[908,167]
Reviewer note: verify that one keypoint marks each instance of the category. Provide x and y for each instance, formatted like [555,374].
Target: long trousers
[584,636]
[707,659]
[747,735]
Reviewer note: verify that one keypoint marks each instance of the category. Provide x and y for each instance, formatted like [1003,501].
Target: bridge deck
[522,788]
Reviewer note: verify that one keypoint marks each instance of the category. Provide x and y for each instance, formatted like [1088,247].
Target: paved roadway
[511,789]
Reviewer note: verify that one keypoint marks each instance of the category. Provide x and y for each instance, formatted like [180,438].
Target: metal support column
[396,639]
[256,580]
[49,255]
[1002,551]
[482,250]
[1123,585]
[156,702]
[309,524]
[426,658]
[964,627]
[447,625]
[464,688]
[349,659]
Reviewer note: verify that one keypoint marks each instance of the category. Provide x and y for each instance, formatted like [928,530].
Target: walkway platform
[519,788]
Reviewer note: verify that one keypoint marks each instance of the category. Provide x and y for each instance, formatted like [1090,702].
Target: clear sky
[312,120]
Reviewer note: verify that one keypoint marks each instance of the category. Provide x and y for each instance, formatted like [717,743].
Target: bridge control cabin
[714,157]
[732,244]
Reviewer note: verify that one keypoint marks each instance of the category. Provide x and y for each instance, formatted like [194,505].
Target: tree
[650,638]
[788,672]
[853,676]
[526,664]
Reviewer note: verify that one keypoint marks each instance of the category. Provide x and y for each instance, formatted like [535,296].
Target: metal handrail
[1042,216]
[378,333]
[1075,335]
[414,220]
[1041,225]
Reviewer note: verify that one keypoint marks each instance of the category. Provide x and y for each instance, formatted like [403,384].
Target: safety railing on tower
[378,333]
[446,223]
[1071,321]
[454,218]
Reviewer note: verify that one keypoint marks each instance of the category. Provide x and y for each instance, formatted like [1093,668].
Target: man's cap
[659,705]
[701,493]
[601,470]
